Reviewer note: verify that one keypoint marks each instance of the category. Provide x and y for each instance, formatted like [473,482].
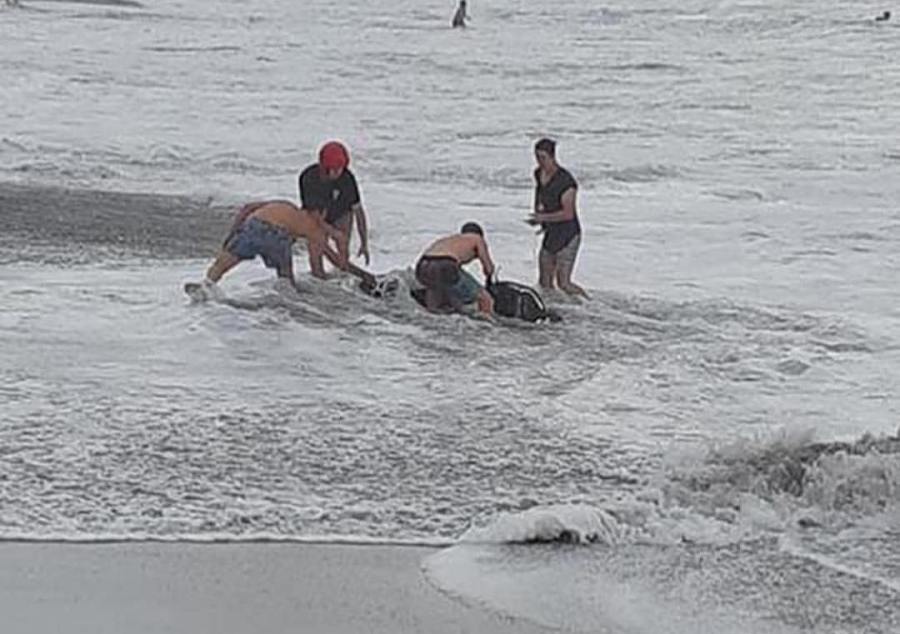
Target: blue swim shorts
[465,289]
[258,237]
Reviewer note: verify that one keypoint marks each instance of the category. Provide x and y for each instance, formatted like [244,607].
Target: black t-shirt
[556,234]
[335,197]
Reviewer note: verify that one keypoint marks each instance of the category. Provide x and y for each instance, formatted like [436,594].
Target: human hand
[532,219]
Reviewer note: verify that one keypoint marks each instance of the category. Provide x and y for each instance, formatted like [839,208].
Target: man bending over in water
[268,229]
[440,271]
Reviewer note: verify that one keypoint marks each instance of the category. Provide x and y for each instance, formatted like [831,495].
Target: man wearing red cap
[329,187]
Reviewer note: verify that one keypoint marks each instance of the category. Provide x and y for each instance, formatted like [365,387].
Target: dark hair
[546,145]
[472,227]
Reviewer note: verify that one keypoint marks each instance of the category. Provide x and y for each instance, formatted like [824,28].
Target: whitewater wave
[727,494]
[803,481]
[569,524]
[721,541]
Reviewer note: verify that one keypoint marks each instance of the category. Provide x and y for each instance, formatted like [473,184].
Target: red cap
[333,155]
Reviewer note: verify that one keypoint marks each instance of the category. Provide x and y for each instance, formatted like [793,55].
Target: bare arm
[487,265]
[315,264]
[362,227]
[362,274]
[333,257]
[317,245]
[328,230]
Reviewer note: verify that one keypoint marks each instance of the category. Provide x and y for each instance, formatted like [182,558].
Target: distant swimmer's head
[472,227]
[545,151]
[884,17]
[334,159]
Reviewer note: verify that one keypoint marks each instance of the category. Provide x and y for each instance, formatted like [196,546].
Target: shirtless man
[440,271]
[268,229]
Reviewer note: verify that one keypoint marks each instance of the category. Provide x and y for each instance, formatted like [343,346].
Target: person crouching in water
[440,271]
[268,229]
[554,210]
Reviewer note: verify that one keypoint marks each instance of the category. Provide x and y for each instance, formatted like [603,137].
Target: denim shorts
[258,237]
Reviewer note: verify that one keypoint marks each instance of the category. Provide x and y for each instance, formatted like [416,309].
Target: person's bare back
[300,223]
[268,229]
[462,247]
[439,270]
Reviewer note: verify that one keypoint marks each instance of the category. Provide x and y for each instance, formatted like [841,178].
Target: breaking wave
[726,494]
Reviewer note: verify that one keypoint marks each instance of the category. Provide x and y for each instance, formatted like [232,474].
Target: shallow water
[738,173]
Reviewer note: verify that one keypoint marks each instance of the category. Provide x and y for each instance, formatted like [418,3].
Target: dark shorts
[258,237]
[567,254]
[340,220]
[443,273]
[342,223]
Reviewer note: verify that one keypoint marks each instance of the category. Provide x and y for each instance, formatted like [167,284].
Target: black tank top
[556,234]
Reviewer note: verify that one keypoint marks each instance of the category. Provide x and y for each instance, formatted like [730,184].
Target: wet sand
[246,588]
[154,226]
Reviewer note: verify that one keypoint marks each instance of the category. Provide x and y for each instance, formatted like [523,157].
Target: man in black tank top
[555,212]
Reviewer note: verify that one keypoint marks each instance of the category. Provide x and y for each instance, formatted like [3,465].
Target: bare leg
[343,247]
[316,261]
[564,278]
[341,237]
[546,269]
[316,266]
[485,302]
[223,263]
[572,288]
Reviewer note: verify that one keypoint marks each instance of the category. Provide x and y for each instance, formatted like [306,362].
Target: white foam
[567,523]
[571,591]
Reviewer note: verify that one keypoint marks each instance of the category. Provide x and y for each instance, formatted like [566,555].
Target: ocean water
[710,444]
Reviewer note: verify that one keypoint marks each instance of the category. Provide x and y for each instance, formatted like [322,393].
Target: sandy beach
[258,588]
